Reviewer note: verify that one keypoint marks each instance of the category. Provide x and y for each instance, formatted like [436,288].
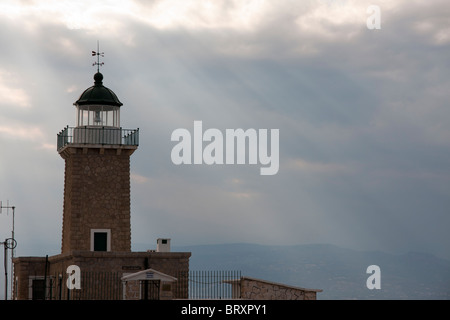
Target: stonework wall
[133,290]
[23,272]
[170,263]
[96,196]
[255,289]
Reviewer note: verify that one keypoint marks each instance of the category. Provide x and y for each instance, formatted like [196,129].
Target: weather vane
[98,54]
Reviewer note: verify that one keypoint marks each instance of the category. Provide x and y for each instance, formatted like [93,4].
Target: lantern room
[98,106]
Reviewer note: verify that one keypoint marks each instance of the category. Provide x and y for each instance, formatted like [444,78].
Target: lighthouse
[96,217]
[97,151]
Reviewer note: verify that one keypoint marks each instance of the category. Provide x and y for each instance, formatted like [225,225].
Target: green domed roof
[98,94]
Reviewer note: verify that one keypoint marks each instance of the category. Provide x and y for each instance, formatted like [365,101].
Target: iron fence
[101,285]
[97,135]
[214,285]
[95,285]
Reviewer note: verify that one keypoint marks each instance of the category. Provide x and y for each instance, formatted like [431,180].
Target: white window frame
[30,285]
[108,238]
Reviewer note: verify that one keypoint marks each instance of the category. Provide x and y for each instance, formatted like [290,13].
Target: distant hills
[340,273]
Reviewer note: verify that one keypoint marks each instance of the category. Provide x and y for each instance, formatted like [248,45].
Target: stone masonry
[256,289]
[122,263]
[96,196]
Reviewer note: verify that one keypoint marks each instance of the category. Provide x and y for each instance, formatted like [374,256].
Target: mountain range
[339,272]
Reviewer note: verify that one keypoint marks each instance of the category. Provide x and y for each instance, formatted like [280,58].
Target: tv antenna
[98,54]
[9,243]
[7,212]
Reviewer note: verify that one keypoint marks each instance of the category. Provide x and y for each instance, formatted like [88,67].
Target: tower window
[100,239]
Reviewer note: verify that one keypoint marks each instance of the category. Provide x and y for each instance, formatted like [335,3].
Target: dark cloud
[362,117]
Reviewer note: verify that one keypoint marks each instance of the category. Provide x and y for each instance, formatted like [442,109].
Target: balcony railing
[97,135]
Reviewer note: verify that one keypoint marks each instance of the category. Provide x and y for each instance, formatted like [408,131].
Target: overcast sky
[363,116]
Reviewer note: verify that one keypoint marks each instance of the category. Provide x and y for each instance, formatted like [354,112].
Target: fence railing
[213,285]
[102,285]
[97,135]
[95,286]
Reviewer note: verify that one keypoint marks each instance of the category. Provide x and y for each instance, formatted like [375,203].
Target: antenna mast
[11,244]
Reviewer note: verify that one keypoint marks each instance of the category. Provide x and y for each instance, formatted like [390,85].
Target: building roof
[149,274]
[98,94]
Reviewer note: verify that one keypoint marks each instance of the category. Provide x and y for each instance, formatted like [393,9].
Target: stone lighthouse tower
[96,214]
[96,217]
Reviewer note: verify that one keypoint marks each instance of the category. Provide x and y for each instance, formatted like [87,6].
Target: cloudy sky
[363,116]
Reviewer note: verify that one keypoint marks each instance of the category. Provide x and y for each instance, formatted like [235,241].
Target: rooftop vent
[162,245]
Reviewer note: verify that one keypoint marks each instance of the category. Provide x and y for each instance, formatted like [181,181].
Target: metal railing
[95,285]
[104,285]
[97,135]
[214,284]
